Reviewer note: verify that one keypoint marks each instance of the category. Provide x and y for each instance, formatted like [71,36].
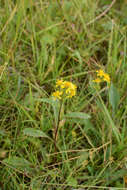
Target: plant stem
[57,125]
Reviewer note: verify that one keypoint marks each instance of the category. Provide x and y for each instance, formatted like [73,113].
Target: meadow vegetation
[44,41]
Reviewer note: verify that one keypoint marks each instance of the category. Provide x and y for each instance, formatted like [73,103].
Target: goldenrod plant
[112,96]
[64,90]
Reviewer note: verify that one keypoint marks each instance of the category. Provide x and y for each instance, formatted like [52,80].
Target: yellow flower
[69,85]
[97,80]
[106,78]
[100,73]
[102,76]
[70,89]
[66,89]
[70,92]
[57,94]
[59,83]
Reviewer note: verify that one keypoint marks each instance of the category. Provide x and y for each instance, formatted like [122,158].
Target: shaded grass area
[41,41]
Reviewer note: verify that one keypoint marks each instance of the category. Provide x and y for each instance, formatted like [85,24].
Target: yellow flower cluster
[102,76]
[65,89]
[57,94]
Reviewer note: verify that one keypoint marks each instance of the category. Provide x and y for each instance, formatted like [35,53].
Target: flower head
[102,76]
[106,78]
[57,94]
[100,73]
[59,83]
[69,85]
[65,89]
[97,80]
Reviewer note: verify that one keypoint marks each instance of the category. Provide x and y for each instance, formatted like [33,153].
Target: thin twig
[83,186]
[81,150]
[102,14]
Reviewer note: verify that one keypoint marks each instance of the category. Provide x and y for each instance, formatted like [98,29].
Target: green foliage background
[44,40]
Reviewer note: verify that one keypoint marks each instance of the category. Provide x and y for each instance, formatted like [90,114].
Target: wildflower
[102,76]
[69,85]
[66,89]
[59,83]
[57,94]
[70,89]
[100,73]
[97,80]
[106,78]
[70,92]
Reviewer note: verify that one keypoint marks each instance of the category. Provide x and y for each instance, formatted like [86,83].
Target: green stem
[57,125]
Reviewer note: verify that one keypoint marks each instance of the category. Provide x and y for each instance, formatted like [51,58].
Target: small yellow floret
[70,92]
[102,76]
[106,78]
[57,94]
[59,83]
[97,80]
[100,73]
[65,88]
[69,85]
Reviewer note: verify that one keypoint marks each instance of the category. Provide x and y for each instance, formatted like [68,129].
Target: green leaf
[16,161]
[109,120]
[19,163]
[72,181]
[47,39]
[77,55]
[35,133]
[46,100]
[2,133]
[78,115]
[114,97]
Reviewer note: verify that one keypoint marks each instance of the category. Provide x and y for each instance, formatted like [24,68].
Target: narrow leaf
[20,164]
[35,133]
[114,97]
[16,161]
[110,121]
[79,115]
